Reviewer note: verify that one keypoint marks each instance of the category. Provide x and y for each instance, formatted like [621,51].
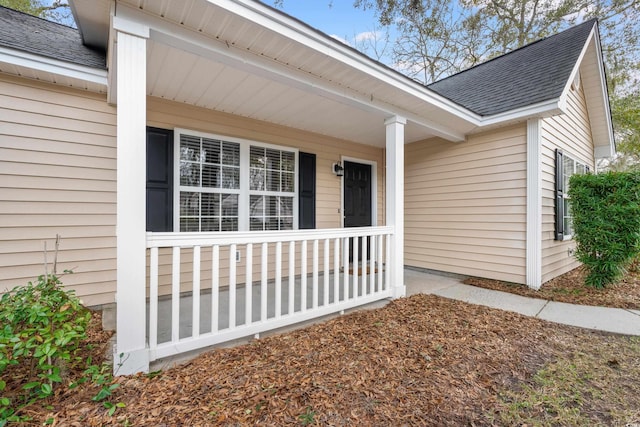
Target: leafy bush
[42,328]
[606,222]
[42,333]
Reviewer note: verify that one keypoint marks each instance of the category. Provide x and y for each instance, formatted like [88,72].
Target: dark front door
[357,200]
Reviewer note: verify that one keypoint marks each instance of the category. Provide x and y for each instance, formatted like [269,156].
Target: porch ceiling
[245,58]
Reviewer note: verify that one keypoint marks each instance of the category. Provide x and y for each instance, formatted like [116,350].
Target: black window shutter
[559,188]
[159,179]
[307,191]
[587,169]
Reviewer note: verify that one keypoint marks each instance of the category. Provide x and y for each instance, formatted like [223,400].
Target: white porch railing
[209,288]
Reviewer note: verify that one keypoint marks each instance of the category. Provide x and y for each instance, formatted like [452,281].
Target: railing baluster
[232,286]
[248,285]
[314,296]
[303,276]
[387,270]
[153,298]
[278,284]
[356,244]
[380,283]
[345,268]
[372,265]
[195,294]
[325,294]
[364,265]
[175,295]
[292,276]
[215,287]
[336,270]
[264,270]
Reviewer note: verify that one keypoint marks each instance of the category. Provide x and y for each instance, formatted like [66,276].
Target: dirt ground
[423,360]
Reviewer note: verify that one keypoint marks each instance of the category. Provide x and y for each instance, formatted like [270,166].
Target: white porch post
[534,204]
[131,354]
[395,200]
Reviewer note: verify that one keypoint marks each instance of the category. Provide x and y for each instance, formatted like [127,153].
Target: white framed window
[566,166]
[230,184]
[271,188]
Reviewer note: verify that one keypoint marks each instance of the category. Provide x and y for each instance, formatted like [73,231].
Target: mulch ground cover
[423,360]
[570,288]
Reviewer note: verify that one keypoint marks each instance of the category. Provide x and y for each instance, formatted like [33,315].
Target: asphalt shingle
[38,36]
[534,73]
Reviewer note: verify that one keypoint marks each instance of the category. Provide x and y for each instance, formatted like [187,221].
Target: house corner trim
[534,204]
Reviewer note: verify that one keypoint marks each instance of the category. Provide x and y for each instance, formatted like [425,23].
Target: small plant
[308,417]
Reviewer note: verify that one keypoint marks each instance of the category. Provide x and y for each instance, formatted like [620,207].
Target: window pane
[286,223]
[288,180]
[189,148]
[210,176]
[189,173]
[257,157]
[256,224]
[189,224]
[580,168]
[272,224]
[288,161]
[273,158]
[229,224]
[210,224]
[256,206]
[567,171]
[210,204]
[231,154]
[286,206]
[189,204]
[257,179]
[273,180]
[271,208]
[210,151]
[230,177]
[230,205]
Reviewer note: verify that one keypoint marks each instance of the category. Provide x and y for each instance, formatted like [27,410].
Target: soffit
[351,110]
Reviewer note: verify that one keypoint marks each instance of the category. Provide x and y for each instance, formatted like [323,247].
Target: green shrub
[606,223]
[42,328]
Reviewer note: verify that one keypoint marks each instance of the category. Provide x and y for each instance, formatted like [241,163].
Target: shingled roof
[534,73]
[38,36]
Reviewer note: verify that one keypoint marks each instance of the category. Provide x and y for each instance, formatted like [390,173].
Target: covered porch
[276,77]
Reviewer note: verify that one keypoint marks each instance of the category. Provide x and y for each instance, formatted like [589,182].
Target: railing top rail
[159,240]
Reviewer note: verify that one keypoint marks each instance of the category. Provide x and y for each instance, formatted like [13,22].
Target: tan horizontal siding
[57,176]
[570,132]
[466,205]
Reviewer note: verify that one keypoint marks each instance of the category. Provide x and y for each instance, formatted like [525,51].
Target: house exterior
[232,166]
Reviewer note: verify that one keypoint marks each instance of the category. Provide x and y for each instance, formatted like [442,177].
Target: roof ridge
[574,27]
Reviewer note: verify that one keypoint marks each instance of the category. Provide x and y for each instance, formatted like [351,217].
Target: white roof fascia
[576,67]
[605,95]
[53,66]
[595,39]
[301,33]
[541,109]
[112,65]
[206,47]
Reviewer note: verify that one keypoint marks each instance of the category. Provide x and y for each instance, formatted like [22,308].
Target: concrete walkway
[617,320]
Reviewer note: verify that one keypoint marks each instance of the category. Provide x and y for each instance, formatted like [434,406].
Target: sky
[337,18]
